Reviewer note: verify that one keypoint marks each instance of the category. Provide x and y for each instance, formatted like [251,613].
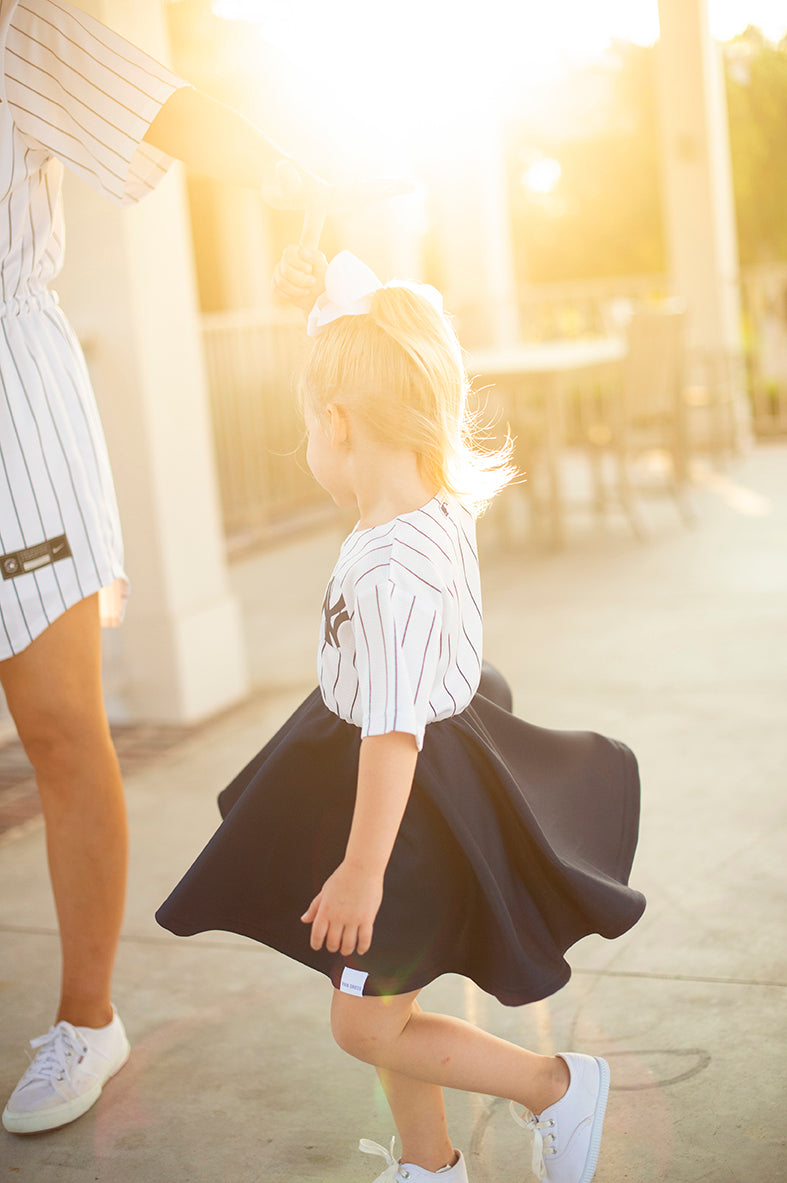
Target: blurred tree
[602,215]
[757,101]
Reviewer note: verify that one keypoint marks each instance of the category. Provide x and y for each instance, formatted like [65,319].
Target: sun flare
[410,76]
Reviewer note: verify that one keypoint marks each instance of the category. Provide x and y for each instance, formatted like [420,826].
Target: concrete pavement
[679,647]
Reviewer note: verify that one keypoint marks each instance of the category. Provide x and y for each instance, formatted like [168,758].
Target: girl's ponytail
[400,368]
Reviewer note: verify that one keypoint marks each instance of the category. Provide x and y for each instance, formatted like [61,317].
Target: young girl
[401,825]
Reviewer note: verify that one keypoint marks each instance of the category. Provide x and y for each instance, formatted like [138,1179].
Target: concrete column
[697,180]
[472,231]
[129,290]
[242,249]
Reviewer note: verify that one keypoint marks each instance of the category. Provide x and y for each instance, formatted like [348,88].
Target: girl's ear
[338,425]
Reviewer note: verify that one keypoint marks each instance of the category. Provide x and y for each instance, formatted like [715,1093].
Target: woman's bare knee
[53,690]
[59,744]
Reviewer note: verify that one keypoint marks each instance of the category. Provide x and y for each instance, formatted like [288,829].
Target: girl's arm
[299,276]
[342,915]
[217,141]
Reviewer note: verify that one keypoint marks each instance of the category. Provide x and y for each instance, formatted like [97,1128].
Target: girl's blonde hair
[399,368]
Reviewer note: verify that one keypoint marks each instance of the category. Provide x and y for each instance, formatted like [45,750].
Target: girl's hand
[299,276]
[342,915]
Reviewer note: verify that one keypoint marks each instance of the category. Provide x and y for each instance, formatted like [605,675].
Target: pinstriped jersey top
[401,634]
[73,93]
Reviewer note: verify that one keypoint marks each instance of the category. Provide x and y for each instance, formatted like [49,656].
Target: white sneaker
[407,1172]
[66,1075]
[567,1135]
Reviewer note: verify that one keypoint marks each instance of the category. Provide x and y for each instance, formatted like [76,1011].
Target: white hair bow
[349,287]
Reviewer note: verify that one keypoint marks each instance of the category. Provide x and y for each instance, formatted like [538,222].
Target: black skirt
[516,842]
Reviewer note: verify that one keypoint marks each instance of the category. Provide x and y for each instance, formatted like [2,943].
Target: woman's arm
[342,915]
[217,141]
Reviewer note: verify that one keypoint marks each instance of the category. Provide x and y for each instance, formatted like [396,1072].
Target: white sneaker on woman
[407,1172]
[66,1075]
[567,1135]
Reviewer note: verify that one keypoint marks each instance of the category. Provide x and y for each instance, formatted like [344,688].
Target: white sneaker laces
[57,1052]
[543,1144]
[394,1172]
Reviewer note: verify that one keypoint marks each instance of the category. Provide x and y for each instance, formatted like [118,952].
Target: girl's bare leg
[419,1051]
[54,693]
[419,1115]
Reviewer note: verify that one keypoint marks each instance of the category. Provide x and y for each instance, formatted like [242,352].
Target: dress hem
[36,630]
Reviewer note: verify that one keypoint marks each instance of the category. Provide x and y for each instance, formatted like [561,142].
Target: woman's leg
[54,693]
[419,1053]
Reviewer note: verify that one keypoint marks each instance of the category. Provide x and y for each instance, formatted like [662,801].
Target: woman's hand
[342,915]
[299,276]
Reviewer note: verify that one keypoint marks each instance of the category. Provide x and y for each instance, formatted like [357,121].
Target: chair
[641,425]
[716,415]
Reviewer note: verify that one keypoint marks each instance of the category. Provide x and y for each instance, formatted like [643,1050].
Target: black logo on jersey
[333,615]
[20,562]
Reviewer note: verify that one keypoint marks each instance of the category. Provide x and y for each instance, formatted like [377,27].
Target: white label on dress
[353,981]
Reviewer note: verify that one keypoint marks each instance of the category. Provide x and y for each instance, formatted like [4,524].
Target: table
[555,368]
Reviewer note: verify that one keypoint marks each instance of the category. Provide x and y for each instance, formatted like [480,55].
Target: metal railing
[764,292]
[585,307]
[252,359]
[598,306]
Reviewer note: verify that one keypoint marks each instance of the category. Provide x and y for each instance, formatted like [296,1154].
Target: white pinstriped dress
[516,841]
[75,94]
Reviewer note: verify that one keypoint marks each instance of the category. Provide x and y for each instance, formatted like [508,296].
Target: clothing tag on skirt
[353,981]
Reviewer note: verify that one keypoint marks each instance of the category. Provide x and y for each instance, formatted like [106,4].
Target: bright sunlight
[401,76]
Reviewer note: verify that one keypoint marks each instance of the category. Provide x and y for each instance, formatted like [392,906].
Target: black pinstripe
[410,598]
[78,45]
[112,100]
[15,590]
[71,118]
[423,663]
[11,641]
[36,425]
[68,96]
[45,28]
[68,464]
